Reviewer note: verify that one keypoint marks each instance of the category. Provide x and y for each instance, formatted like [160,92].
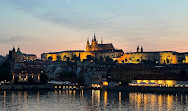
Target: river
[90,100]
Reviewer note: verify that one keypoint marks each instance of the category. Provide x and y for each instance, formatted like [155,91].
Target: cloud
[130,25]
[11,39]
[73,16]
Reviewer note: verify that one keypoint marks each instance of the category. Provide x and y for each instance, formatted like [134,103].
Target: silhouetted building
[125,73]
[18,56]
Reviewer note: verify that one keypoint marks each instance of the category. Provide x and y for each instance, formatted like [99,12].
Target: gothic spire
[101,41]
[18,50]
[13,49]
[138,49]
[94,37]
[87,40]
[142,49]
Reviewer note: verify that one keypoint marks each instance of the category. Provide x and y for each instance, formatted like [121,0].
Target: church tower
[94,44]
[88,47]
[101,41]
[18,50]
[142,49]
[12,53]
[138,49]
[94,39]
[13,50]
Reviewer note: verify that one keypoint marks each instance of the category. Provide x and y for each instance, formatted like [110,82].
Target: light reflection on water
[90,100]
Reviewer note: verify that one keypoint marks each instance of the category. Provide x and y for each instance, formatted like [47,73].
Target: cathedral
[95,46]
[94,49]
[103,50]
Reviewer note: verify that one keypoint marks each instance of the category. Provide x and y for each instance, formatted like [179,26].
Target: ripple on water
[90,100]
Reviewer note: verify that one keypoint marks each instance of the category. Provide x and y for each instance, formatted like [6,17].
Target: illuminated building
[18,56]
[159,57]
[24,74]
[167,80]
[93,74]
[67,55]
[95,46]
[94,49]
[98,50]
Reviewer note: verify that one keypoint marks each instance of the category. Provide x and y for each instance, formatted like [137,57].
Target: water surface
[87,100]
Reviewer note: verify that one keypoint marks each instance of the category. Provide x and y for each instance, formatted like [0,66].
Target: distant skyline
[39,26]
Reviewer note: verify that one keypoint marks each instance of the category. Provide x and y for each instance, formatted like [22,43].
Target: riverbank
[125,89]
[151,89]
[26,87]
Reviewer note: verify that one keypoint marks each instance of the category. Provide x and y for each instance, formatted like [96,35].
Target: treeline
[5,71]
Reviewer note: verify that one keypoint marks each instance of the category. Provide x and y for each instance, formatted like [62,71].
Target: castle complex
[94,49]
[95,46]
[98,50]
[161,57]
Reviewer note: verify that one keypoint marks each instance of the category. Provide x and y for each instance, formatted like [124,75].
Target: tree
[122,61]
[5,69]
[101,60]
[59,58]
[75,59]
[81,80]
[116,61]
[108,60]
[68,59]
[64,58]
[181,59]
[138,60]
[95,60]
[89,57]
[31,80]
[126,60]
[43,79]
[72,75]
[50,58]
[16,80]
[182,73]
[167,61]
[68,75]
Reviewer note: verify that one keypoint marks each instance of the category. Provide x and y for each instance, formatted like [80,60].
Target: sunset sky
[38,26]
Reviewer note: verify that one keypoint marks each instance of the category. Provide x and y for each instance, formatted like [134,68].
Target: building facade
[18,56]
[161,57]
[94,49]
[98,50]
[163,80]
[127,72]
[24,74]
[67,55]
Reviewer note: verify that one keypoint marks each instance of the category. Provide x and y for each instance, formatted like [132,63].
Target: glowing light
[95,85]
[168,83]
[105,83]
[105,98]
[119,100]
[119,83]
